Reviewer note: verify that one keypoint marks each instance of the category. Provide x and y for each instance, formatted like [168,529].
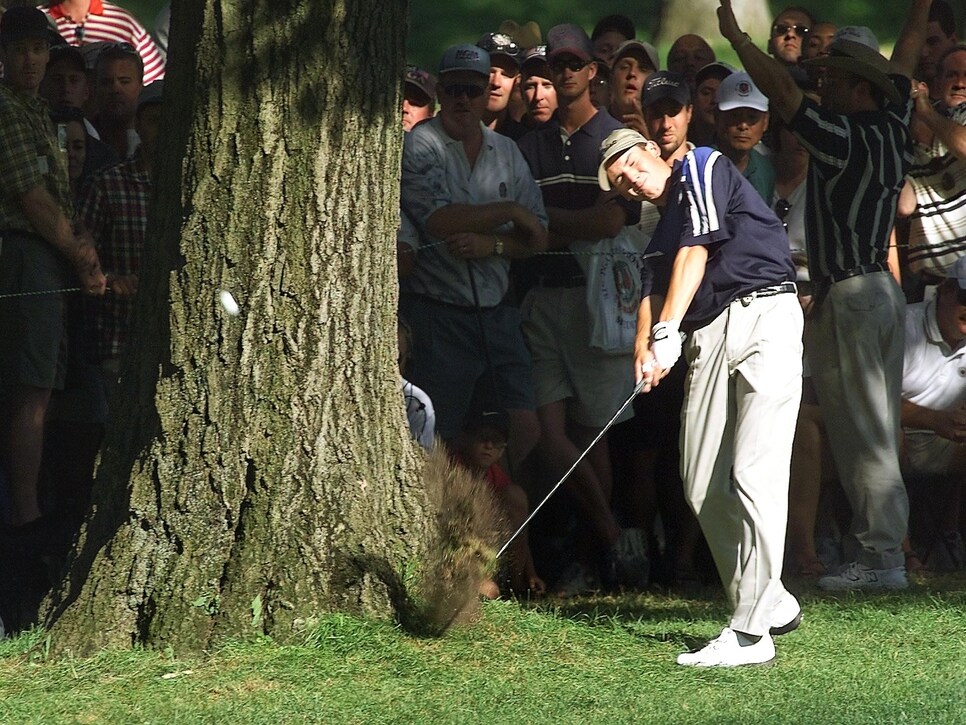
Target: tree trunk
[700,17]
[260,471]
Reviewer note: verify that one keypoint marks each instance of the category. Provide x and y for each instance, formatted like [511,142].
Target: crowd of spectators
[520,282]
[80,117]
[877,466]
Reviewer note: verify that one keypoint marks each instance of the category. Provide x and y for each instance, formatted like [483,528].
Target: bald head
[689,54]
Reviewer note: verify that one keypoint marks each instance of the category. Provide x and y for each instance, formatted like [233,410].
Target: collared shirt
[760,173]
[565,168]
[437,173]
[857,164]
[794,220]
[711,204]
[107,23]
[937,228]
[115,210]
[933,374]
[29,157]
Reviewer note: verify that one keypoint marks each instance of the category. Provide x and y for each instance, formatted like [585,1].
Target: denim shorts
[33,328]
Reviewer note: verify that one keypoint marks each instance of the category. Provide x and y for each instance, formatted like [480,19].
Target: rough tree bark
[700,17]
[259,471]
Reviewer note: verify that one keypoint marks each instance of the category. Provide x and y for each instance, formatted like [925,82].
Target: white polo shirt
[933,375]
[436,173]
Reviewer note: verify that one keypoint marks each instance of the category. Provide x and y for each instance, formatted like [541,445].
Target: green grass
[856,659]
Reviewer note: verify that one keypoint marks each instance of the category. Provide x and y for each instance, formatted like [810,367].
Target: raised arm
[947,130]
[905,55]
[784,96]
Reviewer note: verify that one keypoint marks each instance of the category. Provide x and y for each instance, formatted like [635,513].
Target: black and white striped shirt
[856,170]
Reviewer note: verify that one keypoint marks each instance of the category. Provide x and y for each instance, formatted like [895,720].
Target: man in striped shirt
[98,21]
[935,190]
[860,149]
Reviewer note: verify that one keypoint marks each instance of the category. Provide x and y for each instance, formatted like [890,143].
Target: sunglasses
[961,296]
[782,207]
[559,65]
[781,28]
[470,90]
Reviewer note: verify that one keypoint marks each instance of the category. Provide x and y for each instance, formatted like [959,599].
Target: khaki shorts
[928,453]
[595,384]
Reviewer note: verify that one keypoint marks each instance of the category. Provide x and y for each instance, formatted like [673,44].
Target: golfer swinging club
[728,284]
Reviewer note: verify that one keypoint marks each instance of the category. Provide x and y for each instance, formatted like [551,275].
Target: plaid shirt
[29,157]
[115,210]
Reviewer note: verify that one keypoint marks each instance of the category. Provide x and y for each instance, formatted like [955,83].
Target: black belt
[826,284]
[561,282]
[771,291]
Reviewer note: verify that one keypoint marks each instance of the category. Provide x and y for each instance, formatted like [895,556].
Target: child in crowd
[479,449]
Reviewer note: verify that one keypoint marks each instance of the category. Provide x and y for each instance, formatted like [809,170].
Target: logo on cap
[743,89]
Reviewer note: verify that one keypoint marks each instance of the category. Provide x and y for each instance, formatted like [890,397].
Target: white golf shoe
[726,651]
[786,615]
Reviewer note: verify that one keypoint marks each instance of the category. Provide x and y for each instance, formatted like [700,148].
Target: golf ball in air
[228,302]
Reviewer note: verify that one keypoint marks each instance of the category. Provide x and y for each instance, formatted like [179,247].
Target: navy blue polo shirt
[712,205]
[565,169]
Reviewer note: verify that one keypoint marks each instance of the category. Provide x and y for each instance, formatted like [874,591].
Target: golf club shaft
[637,389]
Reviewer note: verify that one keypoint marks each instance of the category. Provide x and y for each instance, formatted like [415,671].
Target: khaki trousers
[738,421]
[855,345]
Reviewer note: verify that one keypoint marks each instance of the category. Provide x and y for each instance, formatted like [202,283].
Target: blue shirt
[712,205]
[565,168]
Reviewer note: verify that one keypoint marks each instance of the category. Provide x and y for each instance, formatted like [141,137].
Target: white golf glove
[666,343]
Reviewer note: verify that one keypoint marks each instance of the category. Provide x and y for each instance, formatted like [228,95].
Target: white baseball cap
[739,91]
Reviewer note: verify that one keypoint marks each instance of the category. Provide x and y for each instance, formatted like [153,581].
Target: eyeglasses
[781,28]
[961,296]
[559,65]
[782,207]
[470,90]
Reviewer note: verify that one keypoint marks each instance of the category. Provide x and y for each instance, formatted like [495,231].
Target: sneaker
[785,616]
[859,577]
[627,560]
[725,651]
[578,578]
